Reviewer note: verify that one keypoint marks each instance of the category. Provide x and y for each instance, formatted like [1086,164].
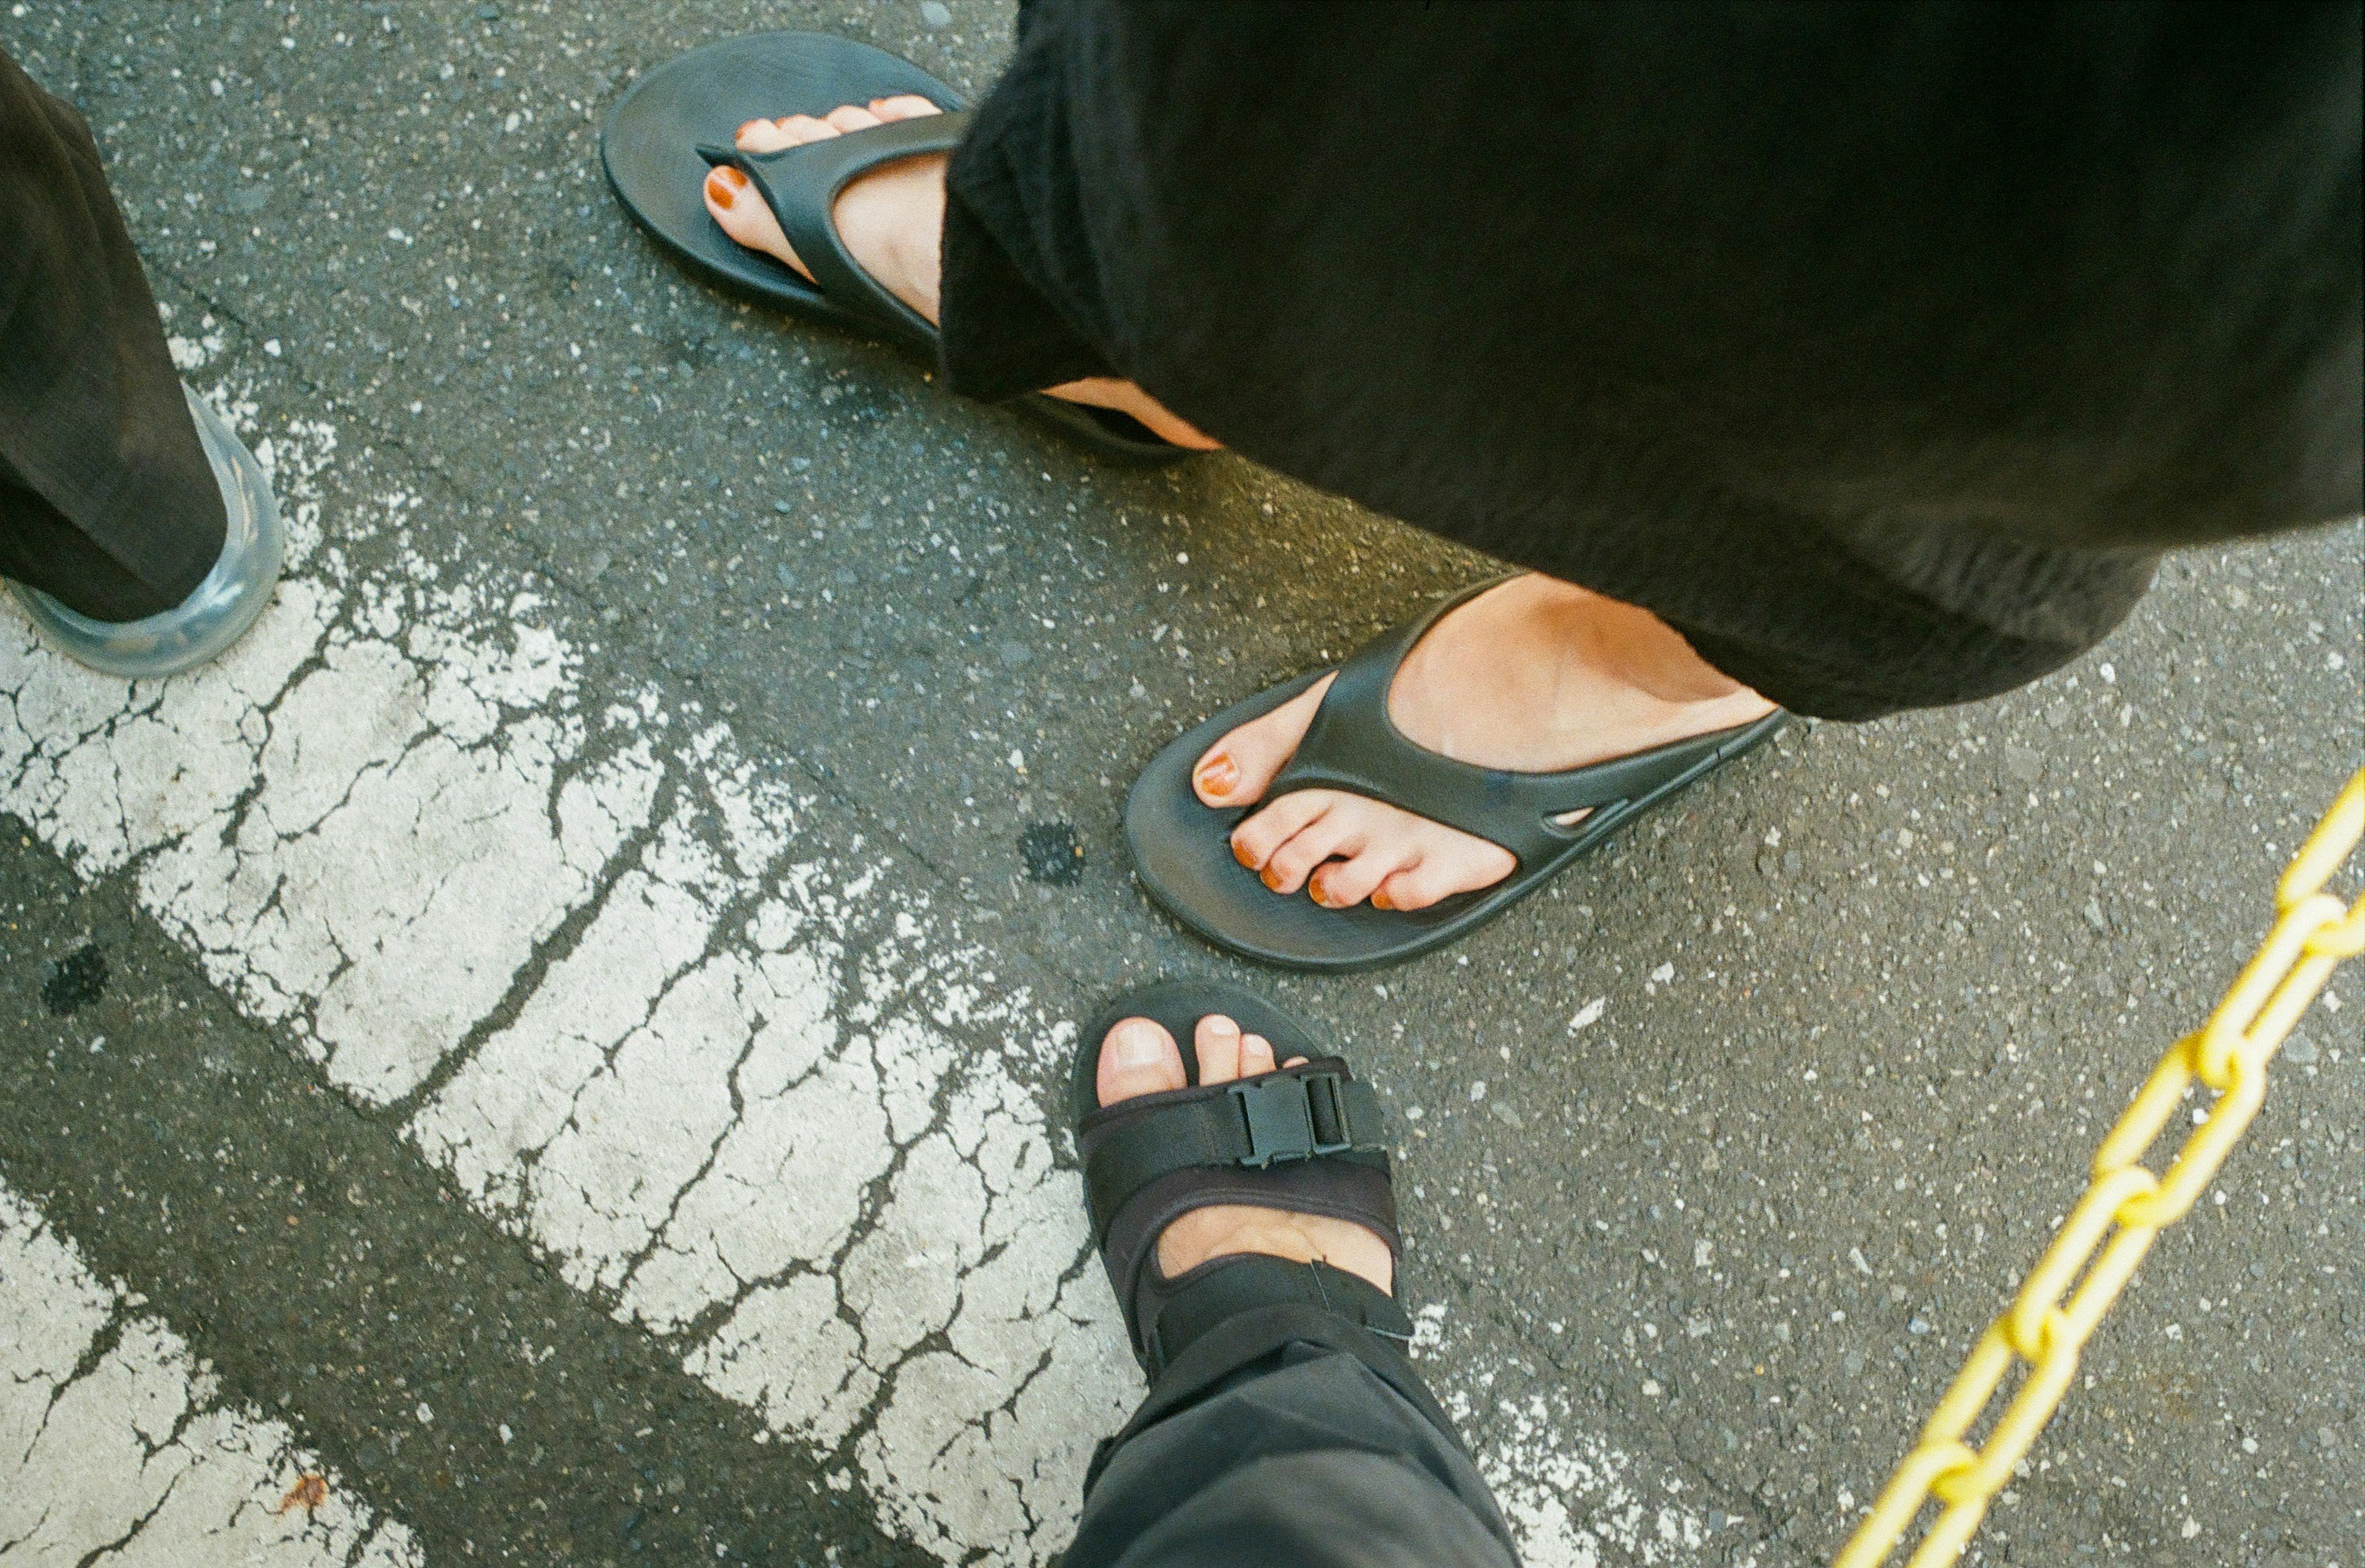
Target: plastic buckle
[1280,1115]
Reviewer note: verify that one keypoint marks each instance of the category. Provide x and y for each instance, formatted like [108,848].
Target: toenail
[1137,1047]
[1222,1026]
[1219,774]
[1240,853]
[1318,890]
[725,184]
[1380,900]
[751,125]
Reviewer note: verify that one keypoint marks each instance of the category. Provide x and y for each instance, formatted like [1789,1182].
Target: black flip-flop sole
[1182,853]
[649,146]
[649,150]
[1178,1005]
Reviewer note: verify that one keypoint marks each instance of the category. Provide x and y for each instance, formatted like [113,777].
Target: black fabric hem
[1883,410]
[1000,337]
[1238,1343]
[1003,334]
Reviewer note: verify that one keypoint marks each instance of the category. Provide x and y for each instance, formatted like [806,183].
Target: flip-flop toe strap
[1353,746]
[800,184]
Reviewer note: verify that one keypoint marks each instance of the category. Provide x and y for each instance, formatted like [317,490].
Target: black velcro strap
[1300,1113]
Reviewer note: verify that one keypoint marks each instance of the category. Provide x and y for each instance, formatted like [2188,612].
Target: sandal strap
[800,184]
[1313,1111]
[1224,1288]
[1353,746]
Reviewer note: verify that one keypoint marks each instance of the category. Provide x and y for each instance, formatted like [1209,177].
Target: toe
[1255,839]
[1336,833]
[1442,873]
[850,117]
[732,200]
[1138,1057]
[1256,1054]
[1343,884]
[1236,769]
[762,136]
[1219,1044]
[903,105]
[797,130]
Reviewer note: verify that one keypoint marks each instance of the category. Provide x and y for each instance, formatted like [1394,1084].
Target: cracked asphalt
[592,970]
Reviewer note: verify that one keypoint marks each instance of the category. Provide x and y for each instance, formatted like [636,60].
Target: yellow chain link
[2313,933]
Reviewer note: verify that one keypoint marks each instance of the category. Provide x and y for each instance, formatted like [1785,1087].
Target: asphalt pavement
[559,1037]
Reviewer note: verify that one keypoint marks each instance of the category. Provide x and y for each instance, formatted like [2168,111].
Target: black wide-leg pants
[1286,1437]
[107,498]
[1878,349]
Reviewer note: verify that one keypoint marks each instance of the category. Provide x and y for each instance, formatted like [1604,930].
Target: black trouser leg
[1873,360]
[106,497]
[1288,1437]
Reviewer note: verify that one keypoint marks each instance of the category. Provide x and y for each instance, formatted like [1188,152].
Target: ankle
[1630,647]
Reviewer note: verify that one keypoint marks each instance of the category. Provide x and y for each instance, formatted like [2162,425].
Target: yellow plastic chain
[2125,1208]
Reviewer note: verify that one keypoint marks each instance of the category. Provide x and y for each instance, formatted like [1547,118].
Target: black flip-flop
[1311,1139]
[1182,851]
[682,116]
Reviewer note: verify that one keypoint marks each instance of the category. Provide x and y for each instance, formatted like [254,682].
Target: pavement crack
[15,1542]
[662,1227]
[549,953]
[102,1344]
[109,1549]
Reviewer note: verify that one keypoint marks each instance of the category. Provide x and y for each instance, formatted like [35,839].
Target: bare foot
[892,220]
[1535,676]
[1140,1058]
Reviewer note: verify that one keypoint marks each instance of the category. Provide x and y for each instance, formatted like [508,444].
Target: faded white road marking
[112,1436]
[747,1093]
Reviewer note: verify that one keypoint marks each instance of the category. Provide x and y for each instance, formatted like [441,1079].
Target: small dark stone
[1052,853]
[79,979]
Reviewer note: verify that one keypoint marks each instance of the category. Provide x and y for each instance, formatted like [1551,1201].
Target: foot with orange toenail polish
[860,184]
[1475,752]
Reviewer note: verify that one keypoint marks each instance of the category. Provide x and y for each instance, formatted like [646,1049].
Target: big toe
[1238,769]
[739,211]
[1138,1057]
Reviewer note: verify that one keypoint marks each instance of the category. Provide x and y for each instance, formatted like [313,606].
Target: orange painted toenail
[1240,854]
[1380,900]
[1219,774]
[723,185]
[1270,879]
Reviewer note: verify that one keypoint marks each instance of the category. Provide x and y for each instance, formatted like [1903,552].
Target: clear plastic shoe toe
[223,606]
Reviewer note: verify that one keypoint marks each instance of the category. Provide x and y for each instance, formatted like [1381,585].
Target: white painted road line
[114,1445]
[751,1092]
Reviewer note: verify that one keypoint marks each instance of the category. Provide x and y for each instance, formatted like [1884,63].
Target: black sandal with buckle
[1308,1139]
